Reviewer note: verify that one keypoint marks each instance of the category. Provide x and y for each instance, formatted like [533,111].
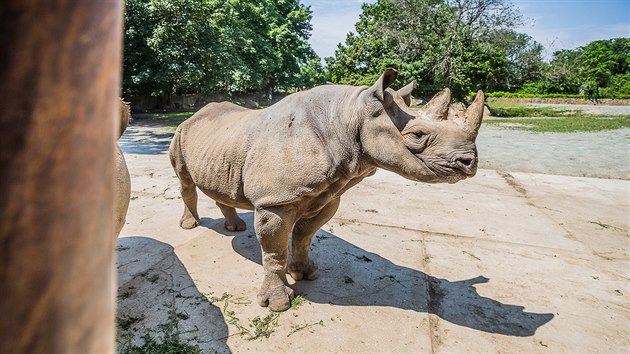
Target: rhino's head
[427,145]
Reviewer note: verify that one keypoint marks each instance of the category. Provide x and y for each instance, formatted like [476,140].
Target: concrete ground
[504,262]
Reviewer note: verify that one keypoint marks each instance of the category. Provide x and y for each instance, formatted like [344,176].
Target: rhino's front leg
[273,226]
[302,266]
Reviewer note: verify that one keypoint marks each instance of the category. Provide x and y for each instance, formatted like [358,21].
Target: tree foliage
[203,46]
[462,44]
[206,46]
[603,64]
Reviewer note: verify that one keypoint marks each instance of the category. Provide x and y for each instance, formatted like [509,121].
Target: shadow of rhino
[352,276]
[158,299]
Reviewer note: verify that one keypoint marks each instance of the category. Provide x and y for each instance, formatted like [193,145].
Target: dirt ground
[509,261]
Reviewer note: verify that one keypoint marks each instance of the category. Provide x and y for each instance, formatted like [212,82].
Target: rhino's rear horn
[437,107]
[474,114]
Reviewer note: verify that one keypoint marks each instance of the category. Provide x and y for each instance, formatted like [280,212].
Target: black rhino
[292,161]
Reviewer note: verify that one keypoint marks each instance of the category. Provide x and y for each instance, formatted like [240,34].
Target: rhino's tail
[125,116]
[176,156]
[178,162]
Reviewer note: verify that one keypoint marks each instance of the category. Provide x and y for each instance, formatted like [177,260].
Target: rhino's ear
[405,92]
[383,82]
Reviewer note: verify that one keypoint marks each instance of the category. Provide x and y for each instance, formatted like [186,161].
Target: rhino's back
[278,155]
[213,145]
[294,152]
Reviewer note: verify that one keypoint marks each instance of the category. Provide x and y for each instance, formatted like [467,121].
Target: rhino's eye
[417,141]
[422,137]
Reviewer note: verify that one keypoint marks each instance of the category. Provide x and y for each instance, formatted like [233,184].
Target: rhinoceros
[291,162]
[122,185]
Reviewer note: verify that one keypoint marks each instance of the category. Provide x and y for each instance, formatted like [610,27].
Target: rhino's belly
[214,158]
[221,183]
[239,202]
[314,204]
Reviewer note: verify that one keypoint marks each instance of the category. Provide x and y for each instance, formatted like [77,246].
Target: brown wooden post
[59,80]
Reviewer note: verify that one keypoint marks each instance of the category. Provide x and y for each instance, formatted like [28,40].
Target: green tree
[601,60]
[202,46]
[562,74]
[441,42]
[599,64]
[524,63]
[138,63]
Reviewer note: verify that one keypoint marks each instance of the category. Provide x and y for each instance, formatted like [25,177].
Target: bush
[603,93]
[621,84]
[528,95]
[533,88]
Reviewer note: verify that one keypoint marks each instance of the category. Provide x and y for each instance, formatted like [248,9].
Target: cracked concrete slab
[504,262]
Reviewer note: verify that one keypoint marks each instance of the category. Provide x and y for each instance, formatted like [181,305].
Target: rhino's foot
[276,296]
[188,223]
[306,271]
[235,224]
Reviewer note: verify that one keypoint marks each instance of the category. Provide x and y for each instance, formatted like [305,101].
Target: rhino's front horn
[474,114]
[437,107]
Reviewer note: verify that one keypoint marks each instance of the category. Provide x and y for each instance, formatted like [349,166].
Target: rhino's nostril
[466,162]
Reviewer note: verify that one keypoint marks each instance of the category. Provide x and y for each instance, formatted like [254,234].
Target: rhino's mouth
[466,164]
[450,169]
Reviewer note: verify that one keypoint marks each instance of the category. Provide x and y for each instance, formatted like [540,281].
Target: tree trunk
[59,82]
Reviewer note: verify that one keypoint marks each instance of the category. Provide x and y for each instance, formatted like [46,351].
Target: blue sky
[556,24]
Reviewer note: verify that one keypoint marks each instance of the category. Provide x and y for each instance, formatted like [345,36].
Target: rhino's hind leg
[190,218]
[188,189]
[273,227]
[302,266]
[232,221]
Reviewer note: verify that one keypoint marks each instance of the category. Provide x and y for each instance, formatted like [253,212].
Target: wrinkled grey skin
[122,185]
[291,162]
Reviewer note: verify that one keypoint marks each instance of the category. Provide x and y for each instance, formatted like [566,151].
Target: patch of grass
[298,300]
[152,278]
[127,322]
[164,115]
[167,120]
[230,315]
[565,124]
[472,255]
[297,328]
[504,104]
[163,338]
[509,109]
[125,295]
[263,327]
[168,346]
[235,321]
